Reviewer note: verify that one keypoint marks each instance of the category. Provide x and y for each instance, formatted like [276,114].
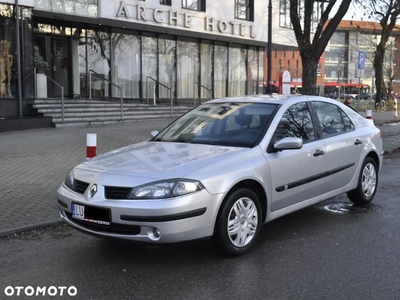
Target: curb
[8,233]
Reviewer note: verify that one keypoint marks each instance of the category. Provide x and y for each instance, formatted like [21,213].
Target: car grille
[117,192]
[112,228]
[80,186]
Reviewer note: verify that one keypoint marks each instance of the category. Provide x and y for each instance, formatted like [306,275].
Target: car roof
[274,98]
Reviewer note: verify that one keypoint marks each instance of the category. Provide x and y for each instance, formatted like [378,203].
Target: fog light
[156,233]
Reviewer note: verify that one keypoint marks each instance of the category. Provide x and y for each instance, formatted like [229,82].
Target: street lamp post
[269,49]
[18,60]
[338,78]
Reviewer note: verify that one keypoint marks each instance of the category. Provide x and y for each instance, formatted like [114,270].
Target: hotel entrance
[55,51]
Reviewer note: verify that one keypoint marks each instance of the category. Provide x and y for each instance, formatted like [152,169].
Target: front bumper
[159,221]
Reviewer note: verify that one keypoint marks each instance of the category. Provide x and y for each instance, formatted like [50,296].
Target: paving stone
[33,164]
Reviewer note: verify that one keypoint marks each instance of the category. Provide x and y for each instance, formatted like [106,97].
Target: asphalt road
[311,254]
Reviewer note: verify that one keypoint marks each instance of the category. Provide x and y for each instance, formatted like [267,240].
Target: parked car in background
[346,96]
[366,96]
[334,95]
[225,168]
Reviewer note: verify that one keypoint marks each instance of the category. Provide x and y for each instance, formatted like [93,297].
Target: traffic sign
[361,60]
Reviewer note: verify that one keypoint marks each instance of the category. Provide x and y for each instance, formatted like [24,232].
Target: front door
[54,50]
[298,175]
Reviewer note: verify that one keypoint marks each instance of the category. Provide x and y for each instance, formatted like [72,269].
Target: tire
[367,183]
[238,223]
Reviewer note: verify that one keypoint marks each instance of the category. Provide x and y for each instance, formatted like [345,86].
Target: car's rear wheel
[238,223]
[367,183]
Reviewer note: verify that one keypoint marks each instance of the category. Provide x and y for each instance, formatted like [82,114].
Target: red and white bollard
[369,114]
[91,143]
[395,107]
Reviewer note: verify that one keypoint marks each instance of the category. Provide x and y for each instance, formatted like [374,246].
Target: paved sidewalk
[33,164]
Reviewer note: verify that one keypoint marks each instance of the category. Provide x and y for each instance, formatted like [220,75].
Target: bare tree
[312,44]
[387,13]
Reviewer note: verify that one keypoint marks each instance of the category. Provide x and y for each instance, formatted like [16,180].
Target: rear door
[296,175]
[343,145]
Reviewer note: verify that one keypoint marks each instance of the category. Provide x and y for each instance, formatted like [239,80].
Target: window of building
[87,8]
[252,70]
[206,69]
[319,67]
[284,14]
[8,51]
[237,70]
[337,54]
[261,55]
[220,70]
[165,2]
[363,39]
[280,65]
[166,65]
[126,65]
[244,10]
[336,72]
[340,38]
[150,60]
[199,5]
[188,66]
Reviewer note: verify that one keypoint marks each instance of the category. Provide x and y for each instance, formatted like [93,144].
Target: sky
[354,12]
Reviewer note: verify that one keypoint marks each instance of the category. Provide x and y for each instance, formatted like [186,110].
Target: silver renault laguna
[225,168]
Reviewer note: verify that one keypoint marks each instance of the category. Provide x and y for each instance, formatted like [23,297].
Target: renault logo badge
[93,190]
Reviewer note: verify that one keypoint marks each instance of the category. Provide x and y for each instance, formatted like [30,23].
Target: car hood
[158,160]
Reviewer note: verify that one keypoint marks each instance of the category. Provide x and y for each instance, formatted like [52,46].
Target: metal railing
[365,104]
[154,93]
[57,84]
[109,81]
[201,86]
[382,106]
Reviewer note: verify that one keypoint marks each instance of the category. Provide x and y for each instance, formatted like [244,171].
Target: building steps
[95,112]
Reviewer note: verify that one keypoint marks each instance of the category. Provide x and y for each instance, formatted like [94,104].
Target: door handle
[358,142]
[318,153]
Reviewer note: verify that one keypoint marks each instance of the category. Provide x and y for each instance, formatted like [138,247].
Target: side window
[330,118]
[296,122]
[347,122]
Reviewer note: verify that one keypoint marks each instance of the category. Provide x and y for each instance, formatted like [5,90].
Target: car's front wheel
[367,183]
[238,223]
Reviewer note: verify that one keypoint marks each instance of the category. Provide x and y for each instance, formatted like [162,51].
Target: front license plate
[78,211]
[90,214]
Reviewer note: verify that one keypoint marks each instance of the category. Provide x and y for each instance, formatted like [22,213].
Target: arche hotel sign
[160,16]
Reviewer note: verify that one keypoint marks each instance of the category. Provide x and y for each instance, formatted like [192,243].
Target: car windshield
[225,124]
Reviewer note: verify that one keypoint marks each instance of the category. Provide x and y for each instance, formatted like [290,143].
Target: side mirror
[288,143]
[154,133]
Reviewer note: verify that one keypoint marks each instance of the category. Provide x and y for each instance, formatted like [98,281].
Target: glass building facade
[190,68]
[8,56]
[133,59]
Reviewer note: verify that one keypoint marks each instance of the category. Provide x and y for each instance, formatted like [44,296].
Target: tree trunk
[378,65]
[310,65]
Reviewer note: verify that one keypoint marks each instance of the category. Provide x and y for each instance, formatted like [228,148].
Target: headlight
[69,180]
[166,189]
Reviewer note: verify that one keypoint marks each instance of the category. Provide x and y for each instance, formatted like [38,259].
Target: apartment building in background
[338,64]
